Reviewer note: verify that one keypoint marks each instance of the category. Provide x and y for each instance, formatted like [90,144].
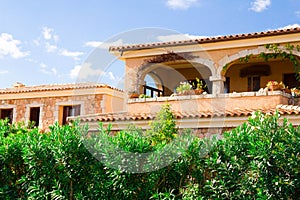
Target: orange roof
[205,40]
[54,87]
[125,116]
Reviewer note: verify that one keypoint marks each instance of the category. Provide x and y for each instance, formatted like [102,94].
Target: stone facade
[51,100]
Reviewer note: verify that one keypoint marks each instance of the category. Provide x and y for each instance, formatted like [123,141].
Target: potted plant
[274,85]
[144,96]
[295,92]
[133,94]
[184,88]
[200,86]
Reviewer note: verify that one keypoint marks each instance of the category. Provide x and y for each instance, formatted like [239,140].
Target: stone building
[46,104]
[235,68]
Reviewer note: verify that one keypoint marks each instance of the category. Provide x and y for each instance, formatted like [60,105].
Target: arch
[258,78]
[157,80]
[145,68]
[194,64]
[226,60]
[206,62]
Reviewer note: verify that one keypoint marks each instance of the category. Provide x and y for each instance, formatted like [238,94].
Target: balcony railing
[153,90]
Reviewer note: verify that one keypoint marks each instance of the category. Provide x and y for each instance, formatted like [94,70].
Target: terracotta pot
[275,87]
[134,95]
[287,90]
[198,91]
[188,92]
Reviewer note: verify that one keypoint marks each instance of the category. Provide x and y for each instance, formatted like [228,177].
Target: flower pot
[188,92]
[275,87]
[133,95]
[198,91]
[287,90]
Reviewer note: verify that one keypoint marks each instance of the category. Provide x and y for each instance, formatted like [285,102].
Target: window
[35,115]
[253,83]
[7,113]
[70,111]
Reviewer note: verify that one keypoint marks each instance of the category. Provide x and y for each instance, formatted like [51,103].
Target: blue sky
[55,41]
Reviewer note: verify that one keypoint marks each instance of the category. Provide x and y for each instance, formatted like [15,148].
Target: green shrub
[257,160]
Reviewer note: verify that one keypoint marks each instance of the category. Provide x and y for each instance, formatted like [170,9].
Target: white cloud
[290,26]
[43,65]
[83,72]
[297,13]
[94,44]
[3,71]
[111,76]
[181,4]
[73,54]
[75,71]
[50,48]
[260,5]
[10,47]
[103,45]
[48,34]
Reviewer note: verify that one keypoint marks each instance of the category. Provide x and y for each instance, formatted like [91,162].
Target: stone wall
[49,107]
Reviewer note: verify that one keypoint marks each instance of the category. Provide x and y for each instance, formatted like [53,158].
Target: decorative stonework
[170,57]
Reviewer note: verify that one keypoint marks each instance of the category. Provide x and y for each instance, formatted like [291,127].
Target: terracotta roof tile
[124,116]
[205,40]
[54,87]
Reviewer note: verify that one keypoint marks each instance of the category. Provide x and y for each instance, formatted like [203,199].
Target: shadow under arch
[227,61]
[170,74]
[254,74]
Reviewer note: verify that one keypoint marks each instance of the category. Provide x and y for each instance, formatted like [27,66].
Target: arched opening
[162,79]
[153,85]
[254,74]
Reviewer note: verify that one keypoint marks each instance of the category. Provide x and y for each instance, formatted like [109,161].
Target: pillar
[217,84]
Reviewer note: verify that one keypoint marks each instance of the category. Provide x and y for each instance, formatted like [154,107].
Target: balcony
[210,104]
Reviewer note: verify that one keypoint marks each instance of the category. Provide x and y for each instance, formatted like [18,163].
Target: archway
[168,75]
[254,73]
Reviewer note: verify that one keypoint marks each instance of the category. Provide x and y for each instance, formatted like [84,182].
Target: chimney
[18,85]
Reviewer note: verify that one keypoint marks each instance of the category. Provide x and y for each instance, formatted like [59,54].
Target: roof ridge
[204,40]
[62,86]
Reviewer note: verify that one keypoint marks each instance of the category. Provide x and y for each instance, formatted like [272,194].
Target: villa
[235,69]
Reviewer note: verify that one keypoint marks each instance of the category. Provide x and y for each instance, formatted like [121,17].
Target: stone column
[131,80]
[217,84]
